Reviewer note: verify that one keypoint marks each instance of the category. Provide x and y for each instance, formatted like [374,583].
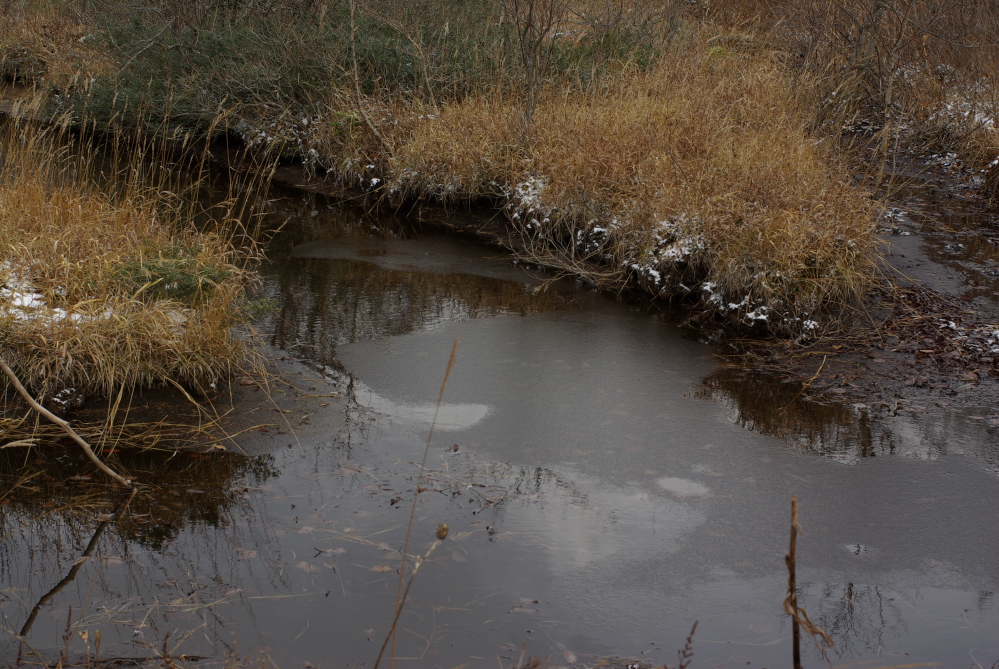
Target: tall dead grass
[697,176]
[637,144]
[922,73]
[106,284]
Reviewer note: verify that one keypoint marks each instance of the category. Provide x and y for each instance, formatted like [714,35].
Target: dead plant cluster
[106,284]
[637,144]
[918,75]
[44,41]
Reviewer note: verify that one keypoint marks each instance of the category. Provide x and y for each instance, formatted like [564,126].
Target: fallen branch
[64,425]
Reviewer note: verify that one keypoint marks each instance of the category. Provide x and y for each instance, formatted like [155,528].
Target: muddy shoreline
[925,334]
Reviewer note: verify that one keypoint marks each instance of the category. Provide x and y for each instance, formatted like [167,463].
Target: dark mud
[927,335]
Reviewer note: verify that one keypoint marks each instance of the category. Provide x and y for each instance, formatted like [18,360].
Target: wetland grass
[687,151]
[652,149]
[116,278]
[901,78]
[695,177]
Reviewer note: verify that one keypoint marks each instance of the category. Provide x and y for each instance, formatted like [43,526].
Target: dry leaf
[381,567]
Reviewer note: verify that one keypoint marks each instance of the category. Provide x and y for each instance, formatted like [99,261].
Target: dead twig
[799,617]
[64,425]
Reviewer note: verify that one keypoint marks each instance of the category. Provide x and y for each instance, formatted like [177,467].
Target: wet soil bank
[927,334]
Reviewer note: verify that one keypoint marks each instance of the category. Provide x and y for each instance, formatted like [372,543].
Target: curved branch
[64,425]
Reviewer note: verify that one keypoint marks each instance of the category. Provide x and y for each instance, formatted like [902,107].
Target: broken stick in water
[799,617]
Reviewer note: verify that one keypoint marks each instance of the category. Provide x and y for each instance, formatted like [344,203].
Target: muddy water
[606,479]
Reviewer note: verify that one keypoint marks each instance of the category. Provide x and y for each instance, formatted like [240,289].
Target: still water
[607,481]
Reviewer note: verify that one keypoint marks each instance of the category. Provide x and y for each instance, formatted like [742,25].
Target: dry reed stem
[442,531]
[400,598]
[799,617]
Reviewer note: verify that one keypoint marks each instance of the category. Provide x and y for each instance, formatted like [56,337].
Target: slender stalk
[792,585]
[441,535]
[399,598]
[799,616]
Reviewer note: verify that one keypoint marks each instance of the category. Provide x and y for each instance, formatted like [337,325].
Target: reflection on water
[605,481]
[66,533]
[848,433]
[444,417]
[352,285]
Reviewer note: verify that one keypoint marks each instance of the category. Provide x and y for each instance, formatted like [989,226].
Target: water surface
[606,478]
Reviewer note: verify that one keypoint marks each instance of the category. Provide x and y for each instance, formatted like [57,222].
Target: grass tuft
[103,289]
[699,177]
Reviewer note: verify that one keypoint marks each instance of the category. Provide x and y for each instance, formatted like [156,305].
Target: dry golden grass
[701,169]
[683,162]
[109,291]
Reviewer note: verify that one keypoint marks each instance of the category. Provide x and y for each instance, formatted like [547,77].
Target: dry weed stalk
[799,617]
[441,535]
[442,529]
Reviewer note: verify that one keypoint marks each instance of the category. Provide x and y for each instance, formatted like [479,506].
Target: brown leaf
[381,567]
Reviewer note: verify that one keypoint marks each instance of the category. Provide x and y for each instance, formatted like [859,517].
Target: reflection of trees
[176,490]
[59,529]
[840,430]
[765,405]
[325,303]
[858,617]
[74,570]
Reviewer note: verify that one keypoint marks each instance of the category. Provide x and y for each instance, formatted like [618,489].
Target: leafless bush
[536,22]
